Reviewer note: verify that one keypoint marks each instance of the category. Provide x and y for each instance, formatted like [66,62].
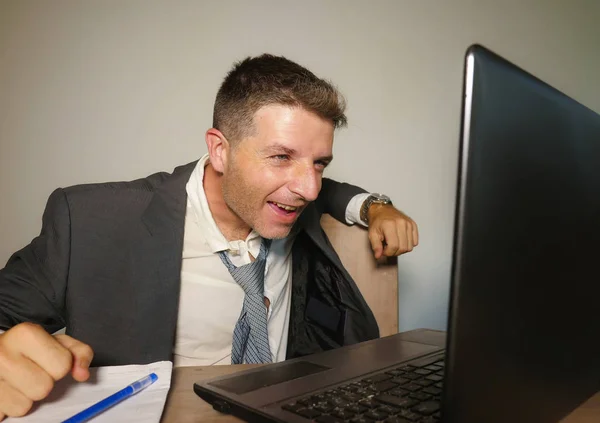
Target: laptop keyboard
[406,394]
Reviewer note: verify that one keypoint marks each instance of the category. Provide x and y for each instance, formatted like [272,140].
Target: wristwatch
[372,199]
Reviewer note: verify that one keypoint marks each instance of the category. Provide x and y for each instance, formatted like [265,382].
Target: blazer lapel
[164,219]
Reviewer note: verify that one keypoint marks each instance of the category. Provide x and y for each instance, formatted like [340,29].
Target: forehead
[285,124]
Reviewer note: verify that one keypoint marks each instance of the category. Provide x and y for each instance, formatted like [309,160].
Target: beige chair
[377,280]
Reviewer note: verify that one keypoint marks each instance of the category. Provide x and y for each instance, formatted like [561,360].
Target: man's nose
[306,183]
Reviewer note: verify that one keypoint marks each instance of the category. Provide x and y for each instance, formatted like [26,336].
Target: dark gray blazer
[107,264]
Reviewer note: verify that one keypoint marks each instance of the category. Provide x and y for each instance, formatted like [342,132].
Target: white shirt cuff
[353,209]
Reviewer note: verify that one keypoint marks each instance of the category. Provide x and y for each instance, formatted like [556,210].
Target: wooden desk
[184,406]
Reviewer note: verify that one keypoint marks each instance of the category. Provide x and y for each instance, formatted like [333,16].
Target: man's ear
[218,149]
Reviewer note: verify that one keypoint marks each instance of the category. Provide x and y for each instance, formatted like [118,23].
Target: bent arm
[33,283]
[335,197]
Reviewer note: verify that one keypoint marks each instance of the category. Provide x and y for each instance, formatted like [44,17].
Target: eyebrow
[326,159]
[279,148]
[282,149]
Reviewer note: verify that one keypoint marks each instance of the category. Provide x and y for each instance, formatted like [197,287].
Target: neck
[229,223]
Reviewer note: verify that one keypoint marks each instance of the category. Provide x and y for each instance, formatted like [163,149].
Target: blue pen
[116,398]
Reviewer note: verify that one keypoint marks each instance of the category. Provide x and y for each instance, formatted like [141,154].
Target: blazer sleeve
[33,283]
[334,198]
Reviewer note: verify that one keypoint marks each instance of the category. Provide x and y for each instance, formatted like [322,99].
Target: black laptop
[523,340]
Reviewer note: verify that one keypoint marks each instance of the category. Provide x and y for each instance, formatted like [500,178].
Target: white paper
[70,397]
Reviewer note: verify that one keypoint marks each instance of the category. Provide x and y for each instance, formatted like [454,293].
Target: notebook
[70,397]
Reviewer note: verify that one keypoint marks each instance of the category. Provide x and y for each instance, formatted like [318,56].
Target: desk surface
[184,406]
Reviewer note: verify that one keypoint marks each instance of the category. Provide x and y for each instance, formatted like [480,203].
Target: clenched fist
[31,360]
[391,232]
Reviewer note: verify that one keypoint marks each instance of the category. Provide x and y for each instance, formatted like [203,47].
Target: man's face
[271,176]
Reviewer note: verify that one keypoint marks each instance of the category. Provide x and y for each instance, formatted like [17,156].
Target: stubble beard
[238,196]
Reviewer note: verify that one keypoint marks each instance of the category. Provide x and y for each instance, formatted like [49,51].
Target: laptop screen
[524,330]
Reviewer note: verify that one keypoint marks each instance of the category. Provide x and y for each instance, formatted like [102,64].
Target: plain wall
[117,89]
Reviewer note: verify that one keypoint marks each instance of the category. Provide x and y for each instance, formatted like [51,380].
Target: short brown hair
[259,81]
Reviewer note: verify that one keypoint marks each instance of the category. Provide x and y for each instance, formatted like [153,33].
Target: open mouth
[284,208]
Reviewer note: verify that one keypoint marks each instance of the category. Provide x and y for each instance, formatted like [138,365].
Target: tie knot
[249,276]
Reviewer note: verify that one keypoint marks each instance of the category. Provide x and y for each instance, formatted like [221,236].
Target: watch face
[382,197]
[373,198]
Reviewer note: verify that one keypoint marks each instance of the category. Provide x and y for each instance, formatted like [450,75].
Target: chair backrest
[377,280]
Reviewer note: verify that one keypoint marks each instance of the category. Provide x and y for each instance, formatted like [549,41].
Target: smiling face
[269,177]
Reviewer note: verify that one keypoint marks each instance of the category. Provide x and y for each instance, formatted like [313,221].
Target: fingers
[12,402]
[23,375]
[396,241]
[33,342]
[376,240]
[31,360]
[396,237]
[415,233]
[82,356]
[406,235]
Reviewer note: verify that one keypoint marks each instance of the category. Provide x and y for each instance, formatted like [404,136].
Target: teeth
[288,208]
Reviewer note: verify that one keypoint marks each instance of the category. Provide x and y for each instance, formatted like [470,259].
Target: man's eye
[281,157]
[320,164]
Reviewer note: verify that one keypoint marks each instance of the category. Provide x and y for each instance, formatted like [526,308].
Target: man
[222,261]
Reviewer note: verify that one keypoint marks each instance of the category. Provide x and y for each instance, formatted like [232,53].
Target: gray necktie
[250,342]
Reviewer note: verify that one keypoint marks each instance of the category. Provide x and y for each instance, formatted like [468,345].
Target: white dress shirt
[210,300]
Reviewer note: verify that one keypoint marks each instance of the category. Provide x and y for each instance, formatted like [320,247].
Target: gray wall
[110,90]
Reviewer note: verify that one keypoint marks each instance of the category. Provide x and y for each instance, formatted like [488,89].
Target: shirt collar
[204,219]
